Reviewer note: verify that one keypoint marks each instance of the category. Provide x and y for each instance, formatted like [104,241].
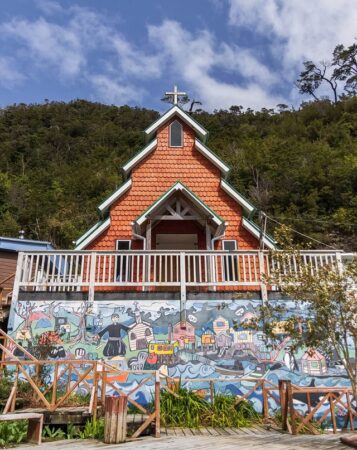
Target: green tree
[325,312]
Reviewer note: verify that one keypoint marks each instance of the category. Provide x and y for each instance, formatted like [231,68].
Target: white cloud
[10,77]
[193,59]
[49,7]
[115,91]
[47,43]
[298,29]
[71,47]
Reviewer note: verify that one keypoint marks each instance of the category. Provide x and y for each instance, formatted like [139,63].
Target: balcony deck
[91,274]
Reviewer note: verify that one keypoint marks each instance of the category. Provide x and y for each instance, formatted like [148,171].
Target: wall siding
[156,174]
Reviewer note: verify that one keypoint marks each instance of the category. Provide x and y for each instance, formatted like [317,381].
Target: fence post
[349,412]
[115,426]
[95,397]
[157,405]
[339,263]
[92,276]
[211,388]
[290,401]
[332,411]
[283,404]
[54,385]
[265,401]
[183,285]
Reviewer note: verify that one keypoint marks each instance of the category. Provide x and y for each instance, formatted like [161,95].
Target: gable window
[175,134]
[230,266]
[123,261]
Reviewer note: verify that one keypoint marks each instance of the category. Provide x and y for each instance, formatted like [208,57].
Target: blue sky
[222,52]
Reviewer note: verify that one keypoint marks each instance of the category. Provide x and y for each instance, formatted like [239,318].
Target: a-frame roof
[180,187]
[177,111]
[201,134]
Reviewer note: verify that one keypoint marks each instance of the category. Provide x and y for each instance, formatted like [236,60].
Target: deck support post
[183,286]
[19,268]
[92,277]
[263,286]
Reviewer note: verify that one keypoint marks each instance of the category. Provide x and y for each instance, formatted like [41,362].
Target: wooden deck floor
[273,441]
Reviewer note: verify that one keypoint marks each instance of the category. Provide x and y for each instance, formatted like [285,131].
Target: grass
[185,408]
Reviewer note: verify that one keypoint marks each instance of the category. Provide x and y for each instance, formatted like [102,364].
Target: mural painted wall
[210,343]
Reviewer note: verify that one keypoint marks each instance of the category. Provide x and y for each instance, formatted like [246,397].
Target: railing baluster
[244,270]
[165,279]
[250,269]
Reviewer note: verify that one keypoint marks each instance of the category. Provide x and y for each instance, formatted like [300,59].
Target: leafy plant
[12,433]
[94,429]
[185,408]
[53,433]
[72,431]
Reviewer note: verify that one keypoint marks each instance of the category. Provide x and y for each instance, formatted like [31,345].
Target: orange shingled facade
[157,173]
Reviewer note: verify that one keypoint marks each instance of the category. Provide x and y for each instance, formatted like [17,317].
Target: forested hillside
[58,161]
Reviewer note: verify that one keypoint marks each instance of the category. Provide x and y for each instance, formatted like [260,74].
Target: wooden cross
[175,94]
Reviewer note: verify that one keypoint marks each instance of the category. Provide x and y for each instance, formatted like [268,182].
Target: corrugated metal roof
[19,245]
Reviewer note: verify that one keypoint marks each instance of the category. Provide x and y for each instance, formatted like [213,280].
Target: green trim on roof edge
[257,227]
[185,112]
[189,190]
[238,193]
[90,231]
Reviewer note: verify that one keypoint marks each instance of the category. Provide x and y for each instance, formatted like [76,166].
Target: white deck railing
[151,270]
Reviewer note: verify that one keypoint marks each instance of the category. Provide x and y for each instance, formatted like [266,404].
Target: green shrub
[53,434]
[94,429]
[185,408]
[12,433]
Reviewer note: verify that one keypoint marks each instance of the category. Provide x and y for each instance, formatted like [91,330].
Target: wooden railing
[95,377]
[149,270]
[67,377]
[327,399]
[321,402]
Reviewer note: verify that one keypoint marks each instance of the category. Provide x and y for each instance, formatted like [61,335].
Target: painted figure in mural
[115,346]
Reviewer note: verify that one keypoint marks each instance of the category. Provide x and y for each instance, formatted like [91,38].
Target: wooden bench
[35,420]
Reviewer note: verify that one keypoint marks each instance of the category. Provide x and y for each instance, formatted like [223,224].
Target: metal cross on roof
[175,94]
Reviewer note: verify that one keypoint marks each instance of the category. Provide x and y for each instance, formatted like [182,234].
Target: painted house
[208,340]
[184,333]
[242,335]
[220,325]
[313,363]
[140,333]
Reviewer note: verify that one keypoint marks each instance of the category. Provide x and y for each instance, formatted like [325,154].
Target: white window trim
[182,136]
[122,240]
[116,258]
[184,116]
[227,259]
[229,240]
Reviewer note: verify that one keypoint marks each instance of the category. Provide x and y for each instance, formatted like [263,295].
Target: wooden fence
[280,398]
[96,377]
[327,400]
[67,376]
